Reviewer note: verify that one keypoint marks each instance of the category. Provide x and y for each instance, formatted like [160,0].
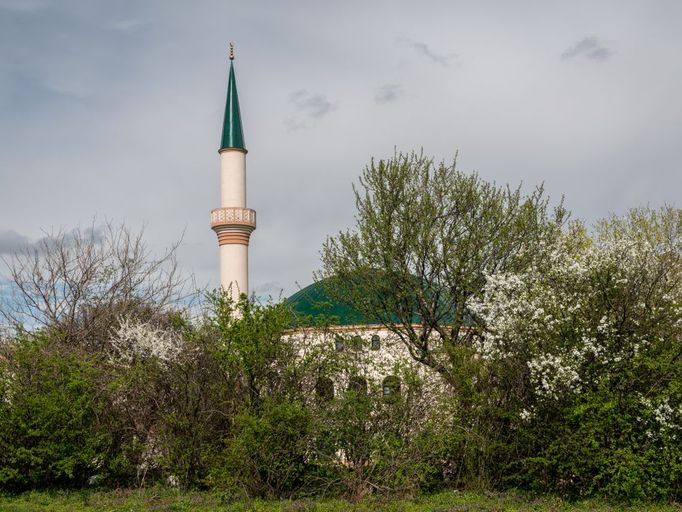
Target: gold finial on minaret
[231,50]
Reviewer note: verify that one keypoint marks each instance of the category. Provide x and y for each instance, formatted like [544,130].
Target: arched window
[376,342]
[391,386]
[358,384]
[355,342]
[324,387]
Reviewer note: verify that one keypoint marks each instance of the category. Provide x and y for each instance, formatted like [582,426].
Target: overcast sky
[114,110]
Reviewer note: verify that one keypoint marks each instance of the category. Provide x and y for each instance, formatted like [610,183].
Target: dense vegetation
[570,382]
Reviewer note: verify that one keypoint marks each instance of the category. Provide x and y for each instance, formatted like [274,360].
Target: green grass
[167,501]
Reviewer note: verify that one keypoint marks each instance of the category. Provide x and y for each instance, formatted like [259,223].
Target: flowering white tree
[589,308]
[590,339]
[136,340]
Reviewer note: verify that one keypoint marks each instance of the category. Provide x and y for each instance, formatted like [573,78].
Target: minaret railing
[233,215]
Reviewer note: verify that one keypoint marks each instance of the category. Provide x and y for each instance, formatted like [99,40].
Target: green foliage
[51,418]
[266,453]
[264,450]
[599,446]
[251,346]
[366,442]
[598,373]
[570,384]
[425,238]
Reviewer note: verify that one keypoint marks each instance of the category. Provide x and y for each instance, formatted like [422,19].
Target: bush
[369,443]
[52,418]
[266,456]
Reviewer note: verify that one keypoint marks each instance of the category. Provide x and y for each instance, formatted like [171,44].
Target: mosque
[376,353]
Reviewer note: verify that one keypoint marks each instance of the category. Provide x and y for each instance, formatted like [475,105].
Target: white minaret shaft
[233,222]
[232,178]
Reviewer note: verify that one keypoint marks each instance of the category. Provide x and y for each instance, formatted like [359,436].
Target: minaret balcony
[232,216]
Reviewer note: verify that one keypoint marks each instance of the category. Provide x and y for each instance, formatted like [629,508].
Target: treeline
[564,374]
[225,402]
[106,382]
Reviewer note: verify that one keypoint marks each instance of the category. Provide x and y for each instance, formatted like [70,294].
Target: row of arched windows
[324,387]
[356,343]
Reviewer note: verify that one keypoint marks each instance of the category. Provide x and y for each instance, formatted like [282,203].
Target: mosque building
[375,352]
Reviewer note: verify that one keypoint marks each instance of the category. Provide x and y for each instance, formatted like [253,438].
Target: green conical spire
[233,136]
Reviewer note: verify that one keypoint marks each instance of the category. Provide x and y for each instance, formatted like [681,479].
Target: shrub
[52,418]
[266,456]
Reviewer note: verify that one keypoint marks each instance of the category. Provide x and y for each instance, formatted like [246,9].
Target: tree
[78,283]
[426,236]
[589,341]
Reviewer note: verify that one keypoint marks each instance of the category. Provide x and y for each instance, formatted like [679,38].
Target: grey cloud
[590,48]
[312,105]
[444,59]
[387,93]
[11,242]
[96,234]
[295,123]
[158,91]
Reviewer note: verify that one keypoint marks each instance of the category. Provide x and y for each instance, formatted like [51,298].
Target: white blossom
[526,415]
[140,340]
[547,314]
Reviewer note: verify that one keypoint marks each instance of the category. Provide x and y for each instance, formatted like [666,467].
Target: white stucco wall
[391,359]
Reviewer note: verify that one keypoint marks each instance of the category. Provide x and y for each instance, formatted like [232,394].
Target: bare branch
[77,283]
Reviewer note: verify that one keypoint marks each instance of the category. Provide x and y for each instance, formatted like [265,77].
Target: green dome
[314,301]
[315,304]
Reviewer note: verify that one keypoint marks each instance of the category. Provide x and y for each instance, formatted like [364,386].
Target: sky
[113,111]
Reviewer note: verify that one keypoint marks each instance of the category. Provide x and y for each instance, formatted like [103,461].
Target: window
[355,342]
[391,386]
[324,387]
[376,342]
[358,384]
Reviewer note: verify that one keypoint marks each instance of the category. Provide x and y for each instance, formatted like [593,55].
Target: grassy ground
[164,500]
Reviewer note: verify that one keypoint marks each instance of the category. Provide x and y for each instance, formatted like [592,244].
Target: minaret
[233,222]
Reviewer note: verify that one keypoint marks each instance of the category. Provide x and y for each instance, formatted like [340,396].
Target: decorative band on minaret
[233,222]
